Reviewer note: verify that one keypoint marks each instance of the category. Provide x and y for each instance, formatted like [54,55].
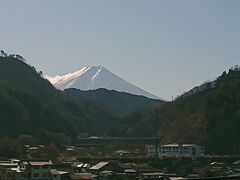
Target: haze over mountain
[95,77]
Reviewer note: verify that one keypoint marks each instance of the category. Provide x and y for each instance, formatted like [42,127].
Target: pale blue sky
[165,47]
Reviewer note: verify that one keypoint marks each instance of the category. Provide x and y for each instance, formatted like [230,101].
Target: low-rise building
[182,150]
[176,150]
[151,150]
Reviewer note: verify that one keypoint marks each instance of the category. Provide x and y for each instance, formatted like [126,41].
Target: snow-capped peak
[94,77]
[58,79]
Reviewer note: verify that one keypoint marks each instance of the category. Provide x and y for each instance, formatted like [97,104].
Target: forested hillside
[210,117]
[30,105]
[119,102]
[42,108]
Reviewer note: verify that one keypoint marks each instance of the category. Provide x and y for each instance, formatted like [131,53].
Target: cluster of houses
[46,170]
[107,170]
[34,170]
[175,150]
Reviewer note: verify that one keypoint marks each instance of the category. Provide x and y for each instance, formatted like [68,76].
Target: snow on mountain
[3,54]
[94,77]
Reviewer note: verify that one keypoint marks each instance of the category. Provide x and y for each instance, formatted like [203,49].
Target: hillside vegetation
[210,117]
[119,102]
[30,106]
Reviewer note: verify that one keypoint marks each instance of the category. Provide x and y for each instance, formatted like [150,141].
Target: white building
[151,150]
[176,150]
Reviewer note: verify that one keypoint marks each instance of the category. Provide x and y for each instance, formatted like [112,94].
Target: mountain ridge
[37,107]
[30,105]
[95,77]
[210,117]
[120,102]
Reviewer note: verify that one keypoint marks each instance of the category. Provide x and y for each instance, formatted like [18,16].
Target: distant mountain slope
[210,117]
[119,102]
[24,77]
[202,87]
[29,104]
[94,77]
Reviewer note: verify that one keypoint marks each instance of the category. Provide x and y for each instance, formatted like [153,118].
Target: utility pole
[156,142]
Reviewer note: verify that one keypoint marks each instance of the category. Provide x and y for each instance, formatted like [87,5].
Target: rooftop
[183,145]
[8,164]
[38,163]
[99,165]
[56,172]
[153,174]
[130,171]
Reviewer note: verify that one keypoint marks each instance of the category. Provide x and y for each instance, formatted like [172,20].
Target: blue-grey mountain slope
[95,77]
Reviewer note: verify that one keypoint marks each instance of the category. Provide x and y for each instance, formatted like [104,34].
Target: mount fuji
[95,77]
